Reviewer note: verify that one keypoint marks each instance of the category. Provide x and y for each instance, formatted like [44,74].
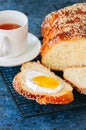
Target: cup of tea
[13,33]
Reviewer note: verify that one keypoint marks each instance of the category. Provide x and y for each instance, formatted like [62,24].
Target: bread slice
[64,96]
[77,77]
[64,38]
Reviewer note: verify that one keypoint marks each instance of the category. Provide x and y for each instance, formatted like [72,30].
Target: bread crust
[41,98]
[63,25]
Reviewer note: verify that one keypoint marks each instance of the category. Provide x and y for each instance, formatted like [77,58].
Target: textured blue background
[10,118]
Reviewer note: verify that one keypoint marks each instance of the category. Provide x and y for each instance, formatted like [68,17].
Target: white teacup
[13,42]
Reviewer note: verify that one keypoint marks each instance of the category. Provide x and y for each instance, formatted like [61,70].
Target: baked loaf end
[64,37]
[77,77]
[64,96]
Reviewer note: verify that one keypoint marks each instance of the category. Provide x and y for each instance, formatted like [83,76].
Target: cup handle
[3,45]
[2,38]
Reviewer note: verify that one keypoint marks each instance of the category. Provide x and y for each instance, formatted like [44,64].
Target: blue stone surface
[10,117]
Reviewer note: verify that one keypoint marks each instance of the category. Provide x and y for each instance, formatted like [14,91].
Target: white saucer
[33,49]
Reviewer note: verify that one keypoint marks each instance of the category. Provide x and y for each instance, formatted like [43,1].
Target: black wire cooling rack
[29,108]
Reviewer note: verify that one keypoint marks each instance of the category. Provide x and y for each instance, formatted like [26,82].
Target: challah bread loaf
[77,77]
[24,85]
[64,37]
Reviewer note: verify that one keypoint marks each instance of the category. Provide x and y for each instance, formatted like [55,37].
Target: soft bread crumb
[77,77]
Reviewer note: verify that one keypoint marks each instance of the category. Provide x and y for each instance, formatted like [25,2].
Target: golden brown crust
[64,99]
[41,98]
[65,24]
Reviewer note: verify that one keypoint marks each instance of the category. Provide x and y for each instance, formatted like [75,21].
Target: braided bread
[64,37]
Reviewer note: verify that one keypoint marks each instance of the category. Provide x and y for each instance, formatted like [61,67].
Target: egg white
[29,83]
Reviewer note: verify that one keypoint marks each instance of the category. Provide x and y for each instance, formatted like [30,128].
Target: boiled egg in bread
[41,82]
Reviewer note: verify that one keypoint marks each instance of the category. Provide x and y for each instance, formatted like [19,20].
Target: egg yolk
[46,82]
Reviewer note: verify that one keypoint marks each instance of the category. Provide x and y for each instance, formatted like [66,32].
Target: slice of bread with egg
[37,82]
[77,77]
